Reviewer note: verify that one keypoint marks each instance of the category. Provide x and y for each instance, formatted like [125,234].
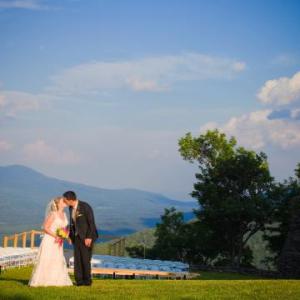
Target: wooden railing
[116,247]
[23,238]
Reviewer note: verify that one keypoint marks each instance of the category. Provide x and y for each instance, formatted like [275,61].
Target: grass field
[13,285]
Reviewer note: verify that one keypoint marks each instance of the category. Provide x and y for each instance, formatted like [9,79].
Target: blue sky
[99,92]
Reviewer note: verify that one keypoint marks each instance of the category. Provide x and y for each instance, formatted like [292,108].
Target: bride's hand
[57,239]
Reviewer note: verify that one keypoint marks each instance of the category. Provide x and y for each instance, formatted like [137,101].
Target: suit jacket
[84,225]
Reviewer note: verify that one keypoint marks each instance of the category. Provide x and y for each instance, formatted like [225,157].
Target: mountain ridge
[25,192]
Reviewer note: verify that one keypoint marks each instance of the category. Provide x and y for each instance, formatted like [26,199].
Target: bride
[51,268]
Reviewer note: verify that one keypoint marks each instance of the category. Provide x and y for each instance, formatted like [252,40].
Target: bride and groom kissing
[51,268]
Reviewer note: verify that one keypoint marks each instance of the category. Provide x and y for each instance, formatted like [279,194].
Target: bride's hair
[51,207]
[55,202]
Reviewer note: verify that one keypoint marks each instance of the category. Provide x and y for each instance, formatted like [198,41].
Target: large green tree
[233,189]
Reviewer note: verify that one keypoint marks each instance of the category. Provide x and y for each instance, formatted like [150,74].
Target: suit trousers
[82,261]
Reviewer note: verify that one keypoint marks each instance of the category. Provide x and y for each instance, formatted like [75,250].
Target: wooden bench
[133,273]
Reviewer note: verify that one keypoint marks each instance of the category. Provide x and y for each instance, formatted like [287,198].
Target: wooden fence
[23,237]
[116,247]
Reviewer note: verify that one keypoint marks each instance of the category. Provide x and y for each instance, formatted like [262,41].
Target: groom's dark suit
[82,227]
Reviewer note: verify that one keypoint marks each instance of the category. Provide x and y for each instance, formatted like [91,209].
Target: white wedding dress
[51,268]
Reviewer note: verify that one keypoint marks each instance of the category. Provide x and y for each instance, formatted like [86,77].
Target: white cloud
[140,85]
[40,151]
[239,66]
[255,130]
[152,74]
[12,102]
[281,91]
[285,60]
[2,101]
[5,146]
[295,113]
[23,4]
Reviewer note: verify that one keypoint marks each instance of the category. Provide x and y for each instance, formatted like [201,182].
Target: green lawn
[13,285]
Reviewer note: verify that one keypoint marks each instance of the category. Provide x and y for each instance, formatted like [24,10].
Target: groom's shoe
[80,283]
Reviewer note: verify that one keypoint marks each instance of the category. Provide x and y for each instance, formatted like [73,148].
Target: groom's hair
[70,195]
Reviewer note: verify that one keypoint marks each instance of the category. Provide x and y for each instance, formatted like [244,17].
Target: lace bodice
[58,222]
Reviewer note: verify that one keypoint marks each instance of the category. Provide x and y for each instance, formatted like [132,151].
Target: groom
[83,234]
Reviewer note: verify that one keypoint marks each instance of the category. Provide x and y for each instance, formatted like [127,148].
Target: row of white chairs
[16,257]
[107,261]
[138,260]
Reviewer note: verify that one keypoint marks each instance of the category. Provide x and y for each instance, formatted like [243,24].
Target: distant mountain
[24,194]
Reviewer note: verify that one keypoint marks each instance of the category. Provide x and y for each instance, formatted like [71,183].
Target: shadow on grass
[15,297]
[205,275]
[22,281]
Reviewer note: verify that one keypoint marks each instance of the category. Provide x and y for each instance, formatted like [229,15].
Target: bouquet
[62,234]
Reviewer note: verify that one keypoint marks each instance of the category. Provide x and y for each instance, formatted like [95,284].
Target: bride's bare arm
[47,225]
